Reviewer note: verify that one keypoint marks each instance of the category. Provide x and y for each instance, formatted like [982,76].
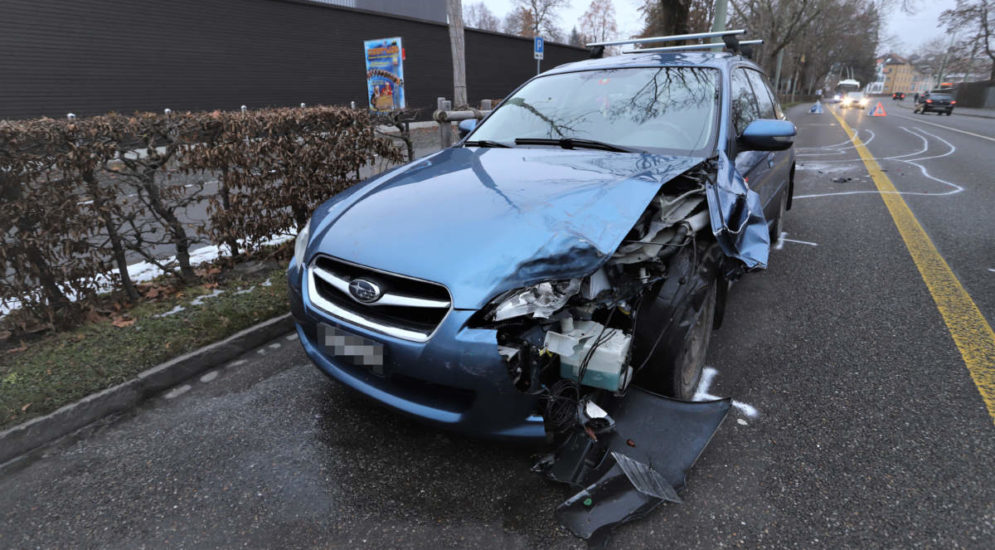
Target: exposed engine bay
[615,357]
[566,340]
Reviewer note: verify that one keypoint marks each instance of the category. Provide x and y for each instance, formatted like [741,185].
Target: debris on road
[634,457]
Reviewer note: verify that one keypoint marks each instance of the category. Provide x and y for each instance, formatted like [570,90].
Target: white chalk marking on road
[945,142]
[925,147]
[292,337]
[741,422]
[707,375]
[838,148]
[261,351]
[798,242]
[954,188]
[176,392]
[992,269]
[822,166]
[989,138]
[236,363]
[244,291]
[915,162]
[209,377]
[783,238]
[275,345]
[267,282]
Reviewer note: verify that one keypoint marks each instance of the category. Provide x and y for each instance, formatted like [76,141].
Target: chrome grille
[407,308]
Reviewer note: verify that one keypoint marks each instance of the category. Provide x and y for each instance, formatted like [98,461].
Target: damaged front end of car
[614,358]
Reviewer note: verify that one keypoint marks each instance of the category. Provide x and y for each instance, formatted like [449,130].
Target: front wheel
[674,325]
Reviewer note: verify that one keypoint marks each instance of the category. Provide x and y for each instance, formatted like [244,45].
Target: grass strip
[64,367]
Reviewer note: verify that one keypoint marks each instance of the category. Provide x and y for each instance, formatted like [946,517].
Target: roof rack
[695,47]
[671,38]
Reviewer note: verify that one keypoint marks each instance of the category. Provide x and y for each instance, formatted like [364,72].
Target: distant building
[899,75]
[429,10]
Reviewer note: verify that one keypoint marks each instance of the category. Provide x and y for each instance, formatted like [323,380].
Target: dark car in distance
[900,96]
[937,101]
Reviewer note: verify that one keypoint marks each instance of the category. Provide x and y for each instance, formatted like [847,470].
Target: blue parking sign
[537,47]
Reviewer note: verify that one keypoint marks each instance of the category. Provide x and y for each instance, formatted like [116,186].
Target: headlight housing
[300,245]
[540,301]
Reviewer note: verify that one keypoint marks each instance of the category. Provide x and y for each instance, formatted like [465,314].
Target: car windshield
[659,109]
[855,95]
[939,96]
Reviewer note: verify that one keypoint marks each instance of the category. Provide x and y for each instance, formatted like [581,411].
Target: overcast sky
[906,31]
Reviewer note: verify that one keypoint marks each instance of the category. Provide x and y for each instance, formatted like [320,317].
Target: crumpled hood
[484,221]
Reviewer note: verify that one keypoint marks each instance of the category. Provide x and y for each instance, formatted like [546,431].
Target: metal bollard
[445,128]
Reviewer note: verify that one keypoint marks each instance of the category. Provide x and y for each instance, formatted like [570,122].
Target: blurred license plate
[351,348]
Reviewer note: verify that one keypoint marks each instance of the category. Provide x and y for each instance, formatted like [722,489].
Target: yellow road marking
[947,127]
[970,330]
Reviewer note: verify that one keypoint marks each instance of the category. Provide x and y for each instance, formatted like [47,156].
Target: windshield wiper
[485,143]
[573,143]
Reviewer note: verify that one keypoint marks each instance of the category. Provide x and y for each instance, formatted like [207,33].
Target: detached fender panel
[737,217]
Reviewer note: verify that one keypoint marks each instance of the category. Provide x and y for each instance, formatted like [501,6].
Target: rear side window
[765,101]
[744,102]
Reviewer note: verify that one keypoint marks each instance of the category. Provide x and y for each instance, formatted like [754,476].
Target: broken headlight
[540,301]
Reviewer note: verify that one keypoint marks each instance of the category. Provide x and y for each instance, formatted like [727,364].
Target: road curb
[37,432]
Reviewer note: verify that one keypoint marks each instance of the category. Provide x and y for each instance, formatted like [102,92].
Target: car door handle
[770,160]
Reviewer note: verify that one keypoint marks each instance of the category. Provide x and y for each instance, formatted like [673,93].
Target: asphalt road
[867,430]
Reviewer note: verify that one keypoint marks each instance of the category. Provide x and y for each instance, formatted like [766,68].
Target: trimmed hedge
[77,196]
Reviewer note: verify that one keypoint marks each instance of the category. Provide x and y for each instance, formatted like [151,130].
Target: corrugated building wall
[145,55]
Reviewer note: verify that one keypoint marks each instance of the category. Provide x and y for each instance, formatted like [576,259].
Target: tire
[672,361]
[949,113]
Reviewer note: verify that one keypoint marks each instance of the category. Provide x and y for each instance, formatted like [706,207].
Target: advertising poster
[385,73]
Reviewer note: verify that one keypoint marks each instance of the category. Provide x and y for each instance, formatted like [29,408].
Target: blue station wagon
[578,242]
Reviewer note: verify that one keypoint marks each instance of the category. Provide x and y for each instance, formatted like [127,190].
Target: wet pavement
[855,424]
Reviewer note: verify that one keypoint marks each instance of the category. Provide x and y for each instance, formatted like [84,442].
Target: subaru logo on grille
[364,291]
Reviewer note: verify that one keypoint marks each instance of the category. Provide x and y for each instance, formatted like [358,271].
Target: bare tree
[666,17]
[478,16]
[978,18]
[543,15]
[576,39]
[779,22]
[519,21]
[598,22]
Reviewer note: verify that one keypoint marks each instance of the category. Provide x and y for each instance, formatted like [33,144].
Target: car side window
[765,99]
[744,102]
[773,96]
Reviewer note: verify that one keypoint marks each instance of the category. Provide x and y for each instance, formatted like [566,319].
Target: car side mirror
[466,126]
[768,134]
